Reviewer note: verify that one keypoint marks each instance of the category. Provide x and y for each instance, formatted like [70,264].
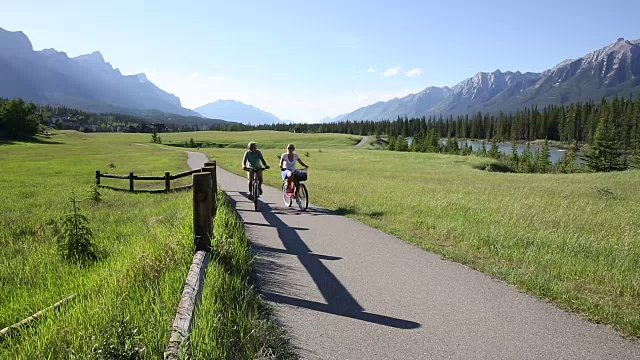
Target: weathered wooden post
[167,181]
[131,181]
[214,184]
[202,219]
[214,187]
[97,177]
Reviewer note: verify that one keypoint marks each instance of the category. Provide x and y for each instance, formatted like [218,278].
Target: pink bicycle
[299,193]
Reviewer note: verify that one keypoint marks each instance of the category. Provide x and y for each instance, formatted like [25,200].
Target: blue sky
[303,60]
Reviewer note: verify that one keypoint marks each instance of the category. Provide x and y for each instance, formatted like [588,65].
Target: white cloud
[197,89]
[372,70]
[413,73]
[391,71]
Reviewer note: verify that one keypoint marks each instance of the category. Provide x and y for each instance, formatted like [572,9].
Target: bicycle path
[363,141]
[345,290]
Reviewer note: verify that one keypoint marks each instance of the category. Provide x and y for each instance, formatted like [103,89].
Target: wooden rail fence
[166,178]
[205,188]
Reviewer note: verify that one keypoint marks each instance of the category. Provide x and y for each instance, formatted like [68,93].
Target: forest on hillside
[609,131]
[21,119]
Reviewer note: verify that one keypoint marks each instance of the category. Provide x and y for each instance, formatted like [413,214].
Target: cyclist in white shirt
[288,165]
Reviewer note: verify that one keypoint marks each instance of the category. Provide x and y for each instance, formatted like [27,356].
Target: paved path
[363,141]
[347,291]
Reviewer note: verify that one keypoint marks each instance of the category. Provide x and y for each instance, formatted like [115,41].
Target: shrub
[604,192]
[94,194]
[119,341]
[75,238]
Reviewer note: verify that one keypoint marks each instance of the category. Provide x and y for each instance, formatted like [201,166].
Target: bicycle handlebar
[305,169]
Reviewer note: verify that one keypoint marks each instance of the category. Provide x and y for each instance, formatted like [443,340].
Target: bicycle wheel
[302,197]
[256,195]
[288,201]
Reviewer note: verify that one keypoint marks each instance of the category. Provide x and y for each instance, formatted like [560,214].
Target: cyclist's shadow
[339,300]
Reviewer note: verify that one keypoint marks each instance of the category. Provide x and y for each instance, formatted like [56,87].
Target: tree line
[18,119]
[609,132]
[21,119]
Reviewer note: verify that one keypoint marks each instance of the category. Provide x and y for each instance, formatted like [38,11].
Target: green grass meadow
[265,139]
[145,246]
[573,239]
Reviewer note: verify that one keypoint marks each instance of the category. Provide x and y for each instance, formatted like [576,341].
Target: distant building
[159,127]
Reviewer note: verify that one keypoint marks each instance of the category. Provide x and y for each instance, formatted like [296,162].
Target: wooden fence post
[214,184]
[214,187]
[131,181]
[202,219]
[167,181]
[97,177]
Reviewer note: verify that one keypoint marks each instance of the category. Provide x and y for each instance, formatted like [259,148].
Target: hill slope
[86,82]
[237,111]
[614,69]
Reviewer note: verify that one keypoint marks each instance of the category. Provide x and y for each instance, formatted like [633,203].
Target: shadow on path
[339,300]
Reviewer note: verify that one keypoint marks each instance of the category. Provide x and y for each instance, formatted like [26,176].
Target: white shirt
[289,165]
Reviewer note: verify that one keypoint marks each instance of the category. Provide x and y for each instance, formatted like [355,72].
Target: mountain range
[86,82]
[612,70]
[237,111]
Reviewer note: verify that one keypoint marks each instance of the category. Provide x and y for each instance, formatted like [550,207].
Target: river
[557,154]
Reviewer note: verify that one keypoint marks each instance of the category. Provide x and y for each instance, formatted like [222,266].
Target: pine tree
[605,154]
[483,150]
[526,163]
[544,158]
[494,150]
[429,141]
[401,143]
[154,136]
[392,143]
[567,165]
[414,145]
[515,159]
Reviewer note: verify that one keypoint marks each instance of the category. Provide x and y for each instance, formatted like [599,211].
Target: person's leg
[250,176]
[290,181]
[260,181]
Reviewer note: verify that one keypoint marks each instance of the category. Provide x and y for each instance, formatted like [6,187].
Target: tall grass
[125,302]
[232,322]
[570,238]
[144,242]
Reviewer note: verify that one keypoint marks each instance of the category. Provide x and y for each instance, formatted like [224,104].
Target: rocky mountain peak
[15,42]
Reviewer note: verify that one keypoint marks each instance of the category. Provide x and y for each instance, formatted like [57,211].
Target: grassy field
[242,327]
[127,299]
[573,239]
[144,241]
[265,139]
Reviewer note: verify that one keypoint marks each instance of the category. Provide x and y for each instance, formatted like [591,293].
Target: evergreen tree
[401,143]
[636,160]
[483,150]
[567,165]
[414,145]
[515,159]
[154,136]
[494,150]
[526,162]
[605,154]
[544,158]
[392,143]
